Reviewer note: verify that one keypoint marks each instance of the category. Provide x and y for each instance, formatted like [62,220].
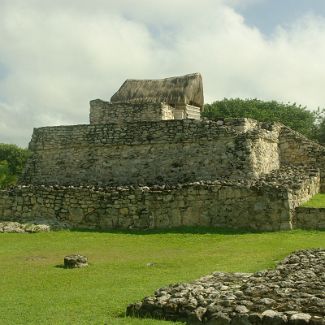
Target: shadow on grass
[178,230]
[148,317]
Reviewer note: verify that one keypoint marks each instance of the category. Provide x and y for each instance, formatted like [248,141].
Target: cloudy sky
[55,56]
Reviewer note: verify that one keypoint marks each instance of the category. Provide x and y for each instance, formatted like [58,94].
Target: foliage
[12,161]
[34,290]
[320,126]
[317,201]
[6,178]
[294,116]
[321,132]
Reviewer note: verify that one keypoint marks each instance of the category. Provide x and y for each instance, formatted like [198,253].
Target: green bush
[12,162]
[297,117]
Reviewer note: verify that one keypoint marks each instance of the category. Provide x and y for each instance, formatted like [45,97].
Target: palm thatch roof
[174,91]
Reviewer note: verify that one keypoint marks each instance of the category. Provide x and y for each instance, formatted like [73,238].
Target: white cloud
[243,3]
[58,55]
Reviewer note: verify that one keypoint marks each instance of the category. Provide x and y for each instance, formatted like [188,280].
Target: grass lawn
[317,201]
[34,290]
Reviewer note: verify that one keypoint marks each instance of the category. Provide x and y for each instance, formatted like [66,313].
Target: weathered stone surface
[266,203]
[102,112]
[75,261]
[10,226]
[219,319]
[150,153]
[299,151]
[292,293]
[299,319]
[271,317]
[310,218]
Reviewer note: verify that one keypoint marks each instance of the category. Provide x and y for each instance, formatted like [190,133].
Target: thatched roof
[174,91]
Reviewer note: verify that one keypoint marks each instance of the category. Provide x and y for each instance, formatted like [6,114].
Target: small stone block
[75,261]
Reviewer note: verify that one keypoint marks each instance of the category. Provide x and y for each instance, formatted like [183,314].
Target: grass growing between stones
[35,290]
[317,201]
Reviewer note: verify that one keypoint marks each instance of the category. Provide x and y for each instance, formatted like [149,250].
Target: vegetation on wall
[317,201]
[12,161]
[320,126]
[297,117]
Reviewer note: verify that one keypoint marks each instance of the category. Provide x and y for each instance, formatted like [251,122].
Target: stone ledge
[265,203]
[287,177]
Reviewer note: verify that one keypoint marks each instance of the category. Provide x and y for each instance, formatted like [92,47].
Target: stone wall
[147,153]
[102,112]
[265,204]
[235,173]
[263,139]
[310,218]
[187,112]
[295,149]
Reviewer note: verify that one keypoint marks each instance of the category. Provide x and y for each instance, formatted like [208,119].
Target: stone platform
[267,203]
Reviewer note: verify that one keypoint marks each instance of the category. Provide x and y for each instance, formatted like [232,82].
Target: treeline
[12,162]
[297,117]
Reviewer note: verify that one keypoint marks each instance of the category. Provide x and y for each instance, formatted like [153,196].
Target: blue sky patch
[269,14]
[4,71]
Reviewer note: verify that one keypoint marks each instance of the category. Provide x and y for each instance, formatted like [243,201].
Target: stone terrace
[266,203]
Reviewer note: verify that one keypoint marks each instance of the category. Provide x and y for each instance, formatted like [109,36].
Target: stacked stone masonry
[148,153]
[310,218]
[187,112]
[264,204]
[299,151]
[102,112]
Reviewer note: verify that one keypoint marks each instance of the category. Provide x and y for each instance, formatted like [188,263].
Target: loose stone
[75,261]
[293,293]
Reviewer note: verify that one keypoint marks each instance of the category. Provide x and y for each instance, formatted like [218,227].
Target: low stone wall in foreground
[293,293]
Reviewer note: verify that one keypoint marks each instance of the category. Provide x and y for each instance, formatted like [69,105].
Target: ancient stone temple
[147,160]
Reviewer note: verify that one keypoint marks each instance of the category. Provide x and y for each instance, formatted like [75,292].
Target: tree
[6,178]
[321,133]
[12,162]
[320,126]
[294,116]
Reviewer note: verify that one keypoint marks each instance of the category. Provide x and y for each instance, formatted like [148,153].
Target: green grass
[317,201]
[34,290]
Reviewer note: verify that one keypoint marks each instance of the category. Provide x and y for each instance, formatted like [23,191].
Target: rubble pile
[293,292]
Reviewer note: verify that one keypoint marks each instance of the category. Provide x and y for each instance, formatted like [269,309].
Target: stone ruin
[293,293]
[147,160]
[151,100]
